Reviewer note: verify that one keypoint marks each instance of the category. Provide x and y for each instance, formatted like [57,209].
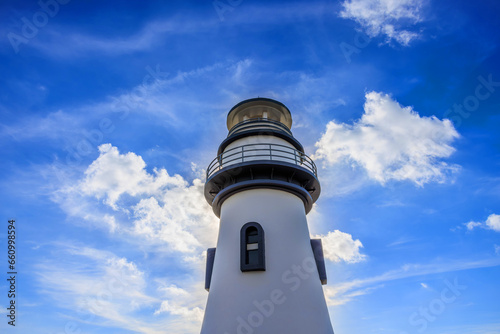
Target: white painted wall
[288,296]
[258,139]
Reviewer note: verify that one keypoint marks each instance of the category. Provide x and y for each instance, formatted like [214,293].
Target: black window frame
[260,265]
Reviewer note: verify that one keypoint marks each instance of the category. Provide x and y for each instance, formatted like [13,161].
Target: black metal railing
[261,124]
[259,152]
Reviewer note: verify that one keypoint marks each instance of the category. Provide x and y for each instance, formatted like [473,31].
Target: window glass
[253,257]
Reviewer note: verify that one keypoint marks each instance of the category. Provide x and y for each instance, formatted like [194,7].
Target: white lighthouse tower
[265,275]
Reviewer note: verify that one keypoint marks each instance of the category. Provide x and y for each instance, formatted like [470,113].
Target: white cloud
[391,142]
[491,223]
[95,283]
[164,209]
[471,225]
[160,222]
[343,292]
[339,246]
[401,241]
[49,126]
[173,291]
[113,174]
[425,286]
[111,222]
[391,18]
[142,39]
[174,308]
[101,288]
[338,296]
[155,33]
[181,302]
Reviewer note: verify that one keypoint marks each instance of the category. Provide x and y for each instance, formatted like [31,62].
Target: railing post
[242,153]
[270,152]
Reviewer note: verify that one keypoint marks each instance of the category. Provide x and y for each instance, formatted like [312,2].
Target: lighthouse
[265,274]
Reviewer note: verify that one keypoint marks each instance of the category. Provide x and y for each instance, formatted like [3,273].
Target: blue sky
[111,111]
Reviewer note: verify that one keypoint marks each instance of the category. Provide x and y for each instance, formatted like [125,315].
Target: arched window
[252,248]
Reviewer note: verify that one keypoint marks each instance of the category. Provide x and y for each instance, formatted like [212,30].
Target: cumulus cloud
[491,223]
[113,174]
[391,18]
[390,142]
[164,208]
[339,246]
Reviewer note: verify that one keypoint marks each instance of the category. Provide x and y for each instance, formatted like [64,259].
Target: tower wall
[285,298]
